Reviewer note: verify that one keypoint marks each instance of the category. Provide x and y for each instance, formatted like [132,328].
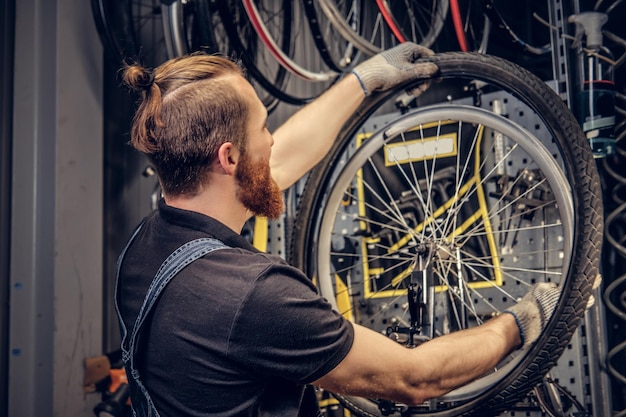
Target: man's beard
[258,191]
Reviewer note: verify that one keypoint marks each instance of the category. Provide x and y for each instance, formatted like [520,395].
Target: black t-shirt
[233,329]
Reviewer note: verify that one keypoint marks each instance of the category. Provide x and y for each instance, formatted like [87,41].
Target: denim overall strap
[123,330]
[179,259]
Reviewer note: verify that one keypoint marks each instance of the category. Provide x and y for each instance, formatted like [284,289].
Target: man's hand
[394,66]
[537,306]
[534,310]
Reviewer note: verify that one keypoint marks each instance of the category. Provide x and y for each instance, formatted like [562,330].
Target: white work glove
[534,310]
[537,306]
[394,66]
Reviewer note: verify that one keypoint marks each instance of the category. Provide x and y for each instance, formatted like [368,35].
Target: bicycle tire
[579,168]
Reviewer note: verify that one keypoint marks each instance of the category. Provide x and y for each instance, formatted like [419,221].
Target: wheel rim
[336,217]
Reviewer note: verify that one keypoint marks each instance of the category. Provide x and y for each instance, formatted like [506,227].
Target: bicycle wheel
[338,53]
[416,21]
[131,31]
[528,35]
[187,29]
[471,26]
[360,23]
[150,32]
[268,75]
[497,206]
[262,16]
[240,43]
[375,28]
[209,35]
[112,21]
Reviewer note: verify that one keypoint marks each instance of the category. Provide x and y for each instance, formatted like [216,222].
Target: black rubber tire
[580,170]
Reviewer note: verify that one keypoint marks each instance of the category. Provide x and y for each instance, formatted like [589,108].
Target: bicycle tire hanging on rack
[337,52]
[189,28]
[477,23]
[236,38]
[471,26]
[373,29]
[524,211]
[419,22]
[150,32]
[114,30]
[266,72]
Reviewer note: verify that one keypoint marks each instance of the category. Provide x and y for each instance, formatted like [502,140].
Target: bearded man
[210,326]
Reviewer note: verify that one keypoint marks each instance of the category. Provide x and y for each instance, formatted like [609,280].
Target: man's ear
[228,157]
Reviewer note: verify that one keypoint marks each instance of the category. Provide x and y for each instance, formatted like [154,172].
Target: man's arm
[305,138]
[377,367]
